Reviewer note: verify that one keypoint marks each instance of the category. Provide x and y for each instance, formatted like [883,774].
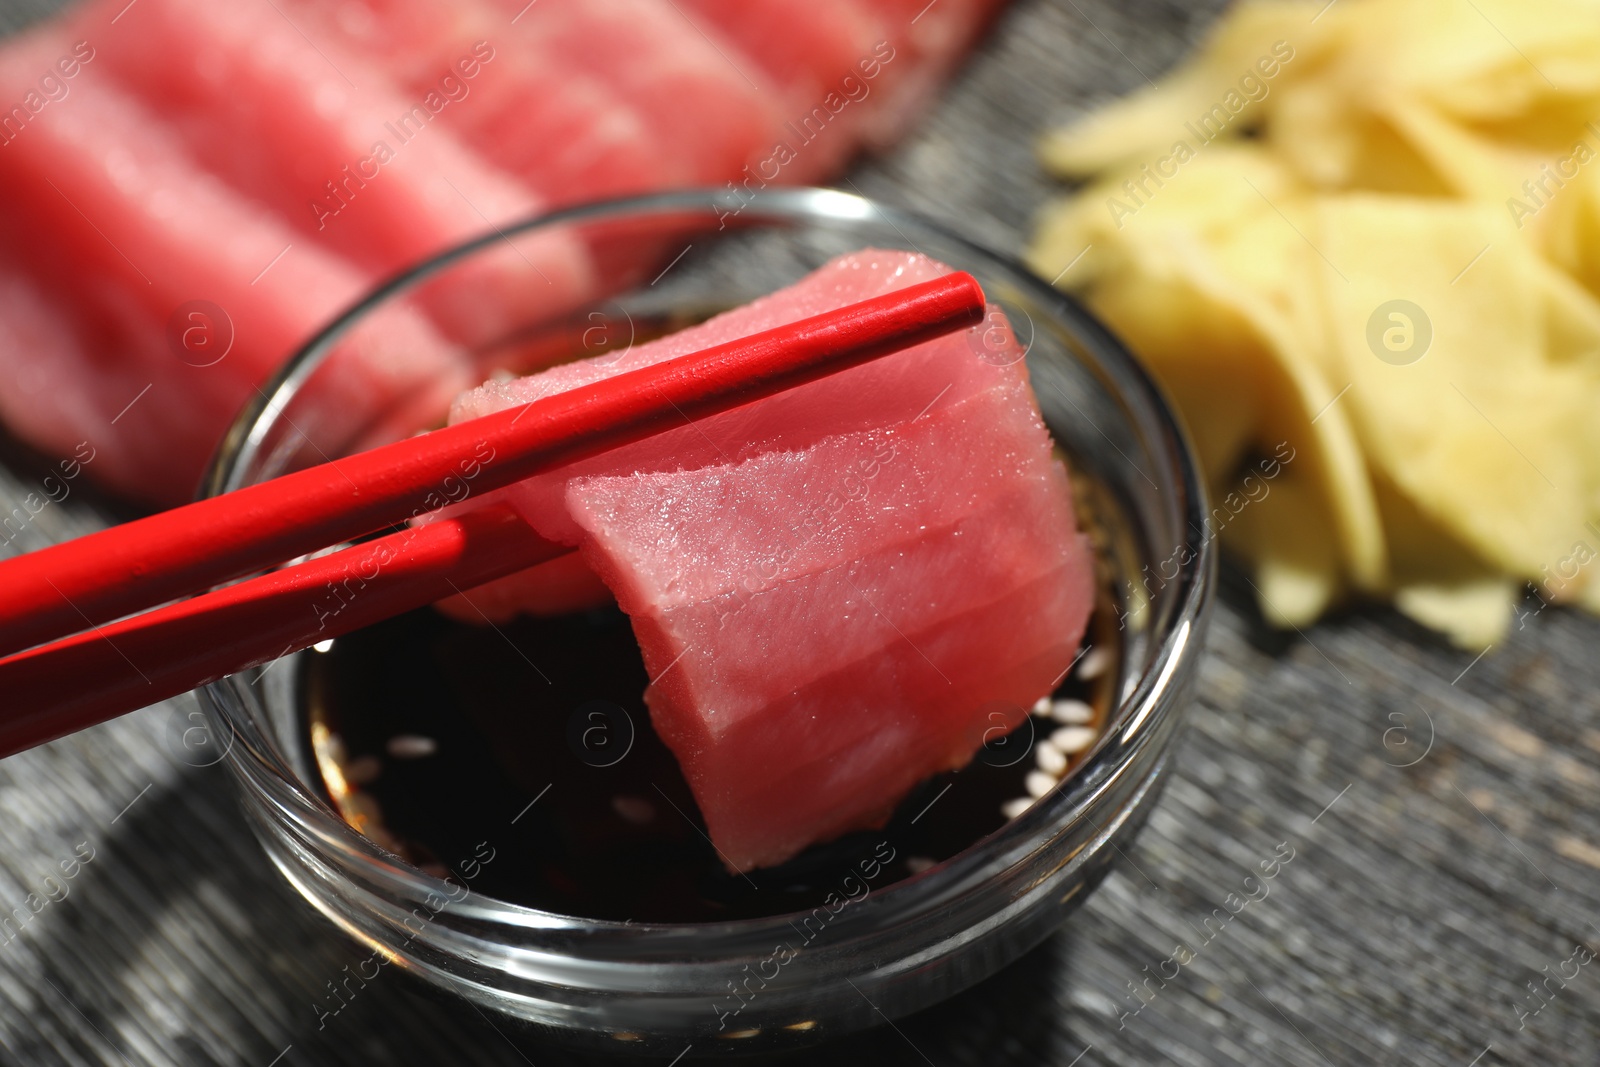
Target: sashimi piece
[889,390]
[565,133]
[837,590]
[880,724]
[123,231]
[927,622]
[928,39]
[330,145]
[710,108]
[821,55]
[846,496]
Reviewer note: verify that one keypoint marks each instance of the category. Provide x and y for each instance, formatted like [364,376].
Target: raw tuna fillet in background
[226,152]
[836,589]
[321,137]
[121,230]
[531,110]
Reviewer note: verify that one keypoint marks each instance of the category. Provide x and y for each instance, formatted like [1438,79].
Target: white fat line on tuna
[497,230]
[312,43]
[695,26]
[899,631]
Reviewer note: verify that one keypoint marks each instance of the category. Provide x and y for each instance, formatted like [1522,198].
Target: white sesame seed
[1073,739]
[1012,808]
[1038,783]
[1042,707]
[1051,759]
[411,746]
[918,864]
[1094,663]
[1072,712]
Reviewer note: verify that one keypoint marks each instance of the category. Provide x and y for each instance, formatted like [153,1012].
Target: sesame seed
[1051,759]
[1073,712]
[1012,808]
[918,864]
[1042,707]
[1038,783]
[1094,663]
[1073,739]
[411,746]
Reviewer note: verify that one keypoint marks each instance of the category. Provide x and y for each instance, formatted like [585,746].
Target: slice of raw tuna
[812,666]
[927,40]
[123,233]
[327,142]
[881,393]
[839,589]
[710,108]
[565,133]
[820,54]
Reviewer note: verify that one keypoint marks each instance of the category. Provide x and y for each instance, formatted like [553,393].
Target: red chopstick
[86,582]
[74,683]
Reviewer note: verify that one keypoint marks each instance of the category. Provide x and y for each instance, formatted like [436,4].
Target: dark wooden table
[1441,808]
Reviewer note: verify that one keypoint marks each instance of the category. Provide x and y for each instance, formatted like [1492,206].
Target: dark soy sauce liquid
[543,756]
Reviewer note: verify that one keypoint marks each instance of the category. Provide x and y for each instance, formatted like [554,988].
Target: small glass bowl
[657,988]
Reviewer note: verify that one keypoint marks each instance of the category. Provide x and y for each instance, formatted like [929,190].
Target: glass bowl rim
[1136,714]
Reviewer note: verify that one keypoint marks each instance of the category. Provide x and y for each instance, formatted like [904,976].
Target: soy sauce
[529,742]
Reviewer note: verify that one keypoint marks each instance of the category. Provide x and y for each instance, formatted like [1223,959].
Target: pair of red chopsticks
[94,668]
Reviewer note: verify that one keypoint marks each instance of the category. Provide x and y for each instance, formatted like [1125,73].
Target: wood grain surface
[1441,809]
